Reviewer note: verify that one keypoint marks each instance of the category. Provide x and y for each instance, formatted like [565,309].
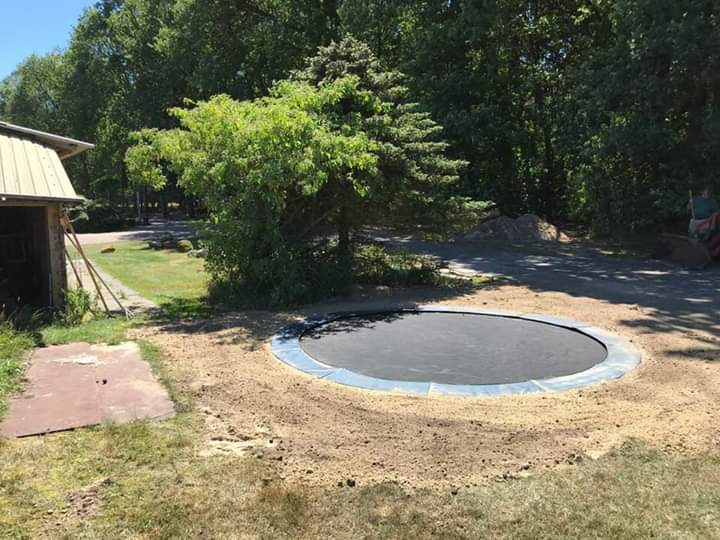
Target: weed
[78,307]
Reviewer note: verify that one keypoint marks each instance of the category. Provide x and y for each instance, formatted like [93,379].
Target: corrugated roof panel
[64,146]
[30,170]
[8,178]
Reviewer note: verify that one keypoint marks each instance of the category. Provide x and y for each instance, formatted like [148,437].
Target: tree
[33,94]
[416,181]
[494,75]
[260,167]
[650,99]
[601,111]
[331,150]
[387,26]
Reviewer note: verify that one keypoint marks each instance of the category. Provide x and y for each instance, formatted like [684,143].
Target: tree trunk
[344,252]
[145,219]
[549,180]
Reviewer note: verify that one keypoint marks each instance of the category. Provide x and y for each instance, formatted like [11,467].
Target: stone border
[621,358]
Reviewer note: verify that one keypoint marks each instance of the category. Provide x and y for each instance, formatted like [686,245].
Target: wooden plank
[56,248]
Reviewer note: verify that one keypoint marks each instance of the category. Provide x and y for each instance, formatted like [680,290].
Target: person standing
[706,214]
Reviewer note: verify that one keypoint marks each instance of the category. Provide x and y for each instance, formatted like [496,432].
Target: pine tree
[415,181]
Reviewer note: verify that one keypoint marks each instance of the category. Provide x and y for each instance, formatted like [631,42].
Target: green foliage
[13,347]
[377,266]
[256,165]
[33,94]
[79,306]
[600,111]
[650,124]
[97,216]
[332,149]
[416,180]
[26,318]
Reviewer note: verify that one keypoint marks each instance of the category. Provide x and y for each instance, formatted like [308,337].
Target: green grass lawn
[158,275]
[13,348]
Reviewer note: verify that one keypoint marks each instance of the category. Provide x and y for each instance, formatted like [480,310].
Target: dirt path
[322,433]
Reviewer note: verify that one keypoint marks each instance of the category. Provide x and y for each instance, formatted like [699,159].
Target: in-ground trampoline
[457,351]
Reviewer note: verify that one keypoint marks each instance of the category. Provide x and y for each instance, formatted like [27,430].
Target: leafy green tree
[334,149]
[494,74]
[33,94]
[387,26]
[649,95]
[261,167]
[602,111]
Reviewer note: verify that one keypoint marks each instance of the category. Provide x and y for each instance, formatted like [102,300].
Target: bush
[27,318]
[78,306]
[184,246]
[319,276]
[301,275]
[374,265]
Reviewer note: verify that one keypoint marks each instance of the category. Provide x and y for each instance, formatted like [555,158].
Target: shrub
[28,318]
[78,306]
[307,275]
[377,266]
[184,246]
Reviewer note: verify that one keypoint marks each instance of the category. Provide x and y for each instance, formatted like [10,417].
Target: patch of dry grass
[147,480]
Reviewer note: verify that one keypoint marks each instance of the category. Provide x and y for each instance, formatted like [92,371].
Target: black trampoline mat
[451,348]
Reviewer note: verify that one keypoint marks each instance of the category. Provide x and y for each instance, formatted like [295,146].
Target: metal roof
[64,146]
[30,166]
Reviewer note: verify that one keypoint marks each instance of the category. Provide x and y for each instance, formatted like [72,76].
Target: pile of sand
[525,229]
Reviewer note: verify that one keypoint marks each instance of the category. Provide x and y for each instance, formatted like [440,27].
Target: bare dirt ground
[322,433]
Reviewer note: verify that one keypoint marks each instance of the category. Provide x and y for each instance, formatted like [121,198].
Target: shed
[34,186]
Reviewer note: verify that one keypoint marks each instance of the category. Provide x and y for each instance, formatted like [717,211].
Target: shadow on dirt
[257,325]
[667,298]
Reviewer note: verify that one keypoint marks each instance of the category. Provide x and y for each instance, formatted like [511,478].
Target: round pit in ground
[445,350]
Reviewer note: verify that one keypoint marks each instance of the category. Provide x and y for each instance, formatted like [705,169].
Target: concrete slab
[76,385]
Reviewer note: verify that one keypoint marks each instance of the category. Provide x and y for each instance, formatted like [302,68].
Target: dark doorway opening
[24,257]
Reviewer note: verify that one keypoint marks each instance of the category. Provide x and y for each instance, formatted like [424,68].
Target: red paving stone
[71,386]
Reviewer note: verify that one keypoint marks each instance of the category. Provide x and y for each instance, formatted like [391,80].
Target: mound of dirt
[525,229]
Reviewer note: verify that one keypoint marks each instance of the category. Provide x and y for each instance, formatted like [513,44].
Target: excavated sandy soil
[322,433]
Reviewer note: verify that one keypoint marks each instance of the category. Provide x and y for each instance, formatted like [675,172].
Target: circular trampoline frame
[621,357]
